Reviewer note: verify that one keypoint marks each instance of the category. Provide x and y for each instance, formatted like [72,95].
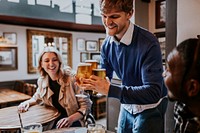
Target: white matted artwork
[11,37]
[95,56]
[81,44]
[84,56]
[8,58]
[91,45]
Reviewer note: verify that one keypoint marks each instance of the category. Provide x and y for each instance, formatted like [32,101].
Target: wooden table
[68,130]
[9,119]
[11,96]
[71,130]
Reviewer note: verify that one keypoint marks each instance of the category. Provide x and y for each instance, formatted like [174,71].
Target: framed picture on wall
[91,45]
[100,43]
[81,44]
[8,58]
[162,41]
[95,56]
[11,37]
[160,13]
[84,56]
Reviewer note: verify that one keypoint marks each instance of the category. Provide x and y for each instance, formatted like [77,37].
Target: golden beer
[84,70]
[94,63]
[99,72]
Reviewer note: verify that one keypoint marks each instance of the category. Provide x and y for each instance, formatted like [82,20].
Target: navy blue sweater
[138,65]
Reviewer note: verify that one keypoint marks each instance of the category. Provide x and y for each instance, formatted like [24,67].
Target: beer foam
[91,61]
[99,69]
[84,64]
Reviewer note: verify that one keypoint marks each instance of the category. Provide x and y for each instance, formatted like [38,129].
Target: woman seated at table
[56,88]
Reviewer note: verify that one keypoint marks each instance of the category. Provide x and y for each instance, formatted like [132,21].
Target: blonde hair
[49,49]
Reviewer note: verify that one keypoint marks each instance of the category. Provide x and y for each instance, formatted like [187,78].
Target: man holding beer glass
[134,55]
[84,71]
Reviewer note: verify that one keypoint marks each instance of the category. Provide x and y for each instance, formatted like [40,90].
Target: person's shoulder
[106,40]
[40,79]
[144,34]
[106,43]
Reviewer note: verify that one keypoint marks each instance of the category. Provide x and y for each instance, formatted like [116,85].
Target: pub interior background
[181,21]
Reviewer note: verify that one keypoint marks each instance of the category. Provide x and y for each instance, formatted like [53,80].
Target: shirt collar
[127,38]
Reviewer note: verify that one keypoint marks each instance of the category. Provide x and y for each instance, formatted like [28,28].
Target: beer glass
[96,128]
[94,63]
[100,73]
[83,71]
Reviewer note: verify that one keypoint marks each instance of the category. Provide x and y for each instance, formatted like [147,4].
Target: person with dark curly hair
[182,78]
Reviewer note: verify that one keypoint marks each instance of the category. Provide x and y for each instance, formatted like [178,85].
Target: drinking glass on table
[96,128]
[32,128]
[83,71]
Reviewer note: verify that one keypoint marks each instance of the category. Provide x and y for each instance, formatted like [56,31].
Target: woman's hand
[23,107]
[64,122]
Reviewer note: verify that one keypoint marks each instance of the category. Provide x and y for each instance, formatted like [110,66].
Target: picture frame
[160,13]
[84,56]
[80,44]
[91,46]
[95,56]
[100,43]
[11,37]
[8,58]
[162,40]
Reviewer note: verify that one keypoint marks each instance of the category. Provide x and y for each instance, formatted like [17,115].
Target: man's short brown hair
[119,5]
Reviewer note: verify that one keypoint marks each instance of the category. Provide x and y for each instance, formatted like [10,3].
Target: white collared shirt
[127,37]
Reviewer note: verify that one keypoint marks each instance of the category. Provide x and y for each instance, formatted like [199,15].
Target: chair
[89,119]
[19,86]
[30,89]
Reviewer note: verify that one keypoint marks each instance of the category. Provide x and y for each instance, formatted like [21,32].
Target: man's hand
[97,84]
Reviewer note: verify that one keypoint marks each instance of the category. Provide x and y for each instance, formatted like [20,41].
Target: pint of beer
[99,72]
[84,70]
[94,63]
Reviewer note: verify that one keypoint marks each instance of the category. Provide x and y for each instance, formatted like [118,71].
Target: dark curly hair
[189,51]
[120,5]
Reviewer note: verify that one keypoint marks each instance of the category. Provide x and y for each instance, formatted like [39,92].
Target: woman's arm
[23,107]
[68,121]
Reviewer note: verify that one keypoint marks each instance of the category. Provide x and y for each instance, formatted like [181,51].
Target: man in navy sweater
[134,55]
